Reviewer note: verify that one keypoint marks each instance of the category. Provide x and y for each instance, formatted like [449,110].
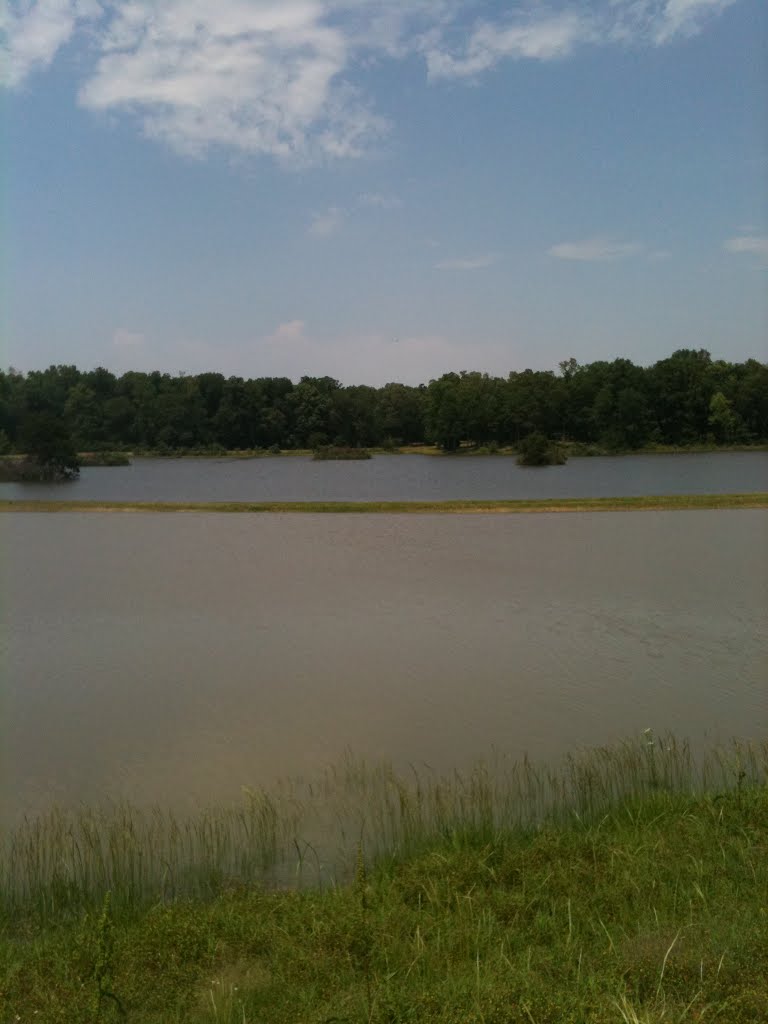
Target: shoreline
[646,503]
[627,885]
[573,450]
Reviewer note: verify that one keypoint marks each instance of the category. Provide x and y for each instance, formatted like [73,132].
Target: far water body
[406,478]
[173,659]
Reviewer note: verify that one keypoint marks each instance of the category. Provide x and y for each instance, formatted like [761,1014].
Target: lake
[406,478]
[176,658]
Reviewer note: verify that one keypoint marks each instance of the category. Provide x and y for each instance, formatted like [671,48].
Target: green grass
[628,885]
[665,502]
[339,453]
[104,459]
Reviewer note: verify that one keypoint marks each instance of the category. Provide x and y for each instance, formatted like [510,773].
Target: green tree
[47,441]
[538,450]
[314,404]
[445,424]
[681,389]
[84,412]
[723,420]
[401,412]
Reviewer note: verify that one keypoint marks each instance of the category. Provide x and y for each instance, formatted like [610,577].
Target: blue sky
[381,189]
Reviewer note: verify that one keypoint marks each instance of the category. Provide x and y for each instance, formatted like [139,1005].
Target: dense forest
[686,399]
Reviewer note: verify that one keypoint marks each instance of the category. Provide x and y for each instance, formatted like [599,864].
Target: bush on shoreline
[338,453]
[23,470]
[538,450]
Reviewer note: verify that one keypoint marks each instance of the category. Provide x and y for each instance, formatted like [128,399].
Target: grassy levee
[655,503]
[630,884]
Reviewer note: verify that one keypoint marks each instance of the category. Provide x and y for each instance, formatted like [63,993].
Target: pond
[406,478]
[176,658]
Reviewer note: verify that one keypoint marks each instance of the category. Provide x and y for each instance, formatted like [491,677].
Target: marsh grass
[308,833]
[627,886]
[647,503]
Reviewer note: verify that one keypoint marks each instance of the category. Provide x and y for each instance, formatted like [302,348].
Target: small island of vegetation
[538,450]
[48,452]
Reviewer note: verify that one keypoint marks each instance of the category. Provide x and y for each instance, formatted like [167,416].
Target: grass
[339,453]
[104,459]
[654,503]
[628,885]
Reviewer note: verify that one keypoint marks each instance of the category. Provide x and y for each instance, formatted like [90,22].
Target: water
[174,659]
[404,478]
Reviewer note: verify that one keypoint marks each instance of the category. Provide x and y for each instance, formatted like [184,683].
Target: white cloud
[471,263]
[327,223]
[31,34]
[594,250]
[686,17]
[757,244]
[258,77]
[379,200]
[537,39]
[754,245]
[526,34]
[281,77]
[291,331]
[123,338]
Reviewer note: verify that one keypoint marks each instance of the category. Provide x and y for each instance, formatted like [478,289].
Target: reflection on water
[177,658]
[406,478]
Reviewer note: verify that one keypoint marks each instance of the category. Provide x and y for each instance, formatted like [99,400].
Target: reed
[308,833]
[625,886]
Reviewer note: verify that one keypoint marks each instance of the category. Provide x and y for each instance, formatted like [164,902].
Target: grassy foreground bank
[654,503]
[626,887]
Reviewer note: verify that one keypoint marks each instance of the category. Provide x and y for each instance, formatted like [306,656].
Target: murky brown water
[175,658]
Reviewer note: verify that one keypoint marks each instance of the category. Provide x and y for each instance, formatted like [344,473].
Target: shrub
[538,450]
[336,452]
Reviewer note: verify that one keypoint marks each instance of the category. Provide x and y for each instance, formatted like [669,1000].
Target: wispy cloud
[538,39]
[595,250]
[282,77]
[123,338]
[757,245]
[291,331]
[32,34]
[526,33]
[754,243]
[326,223]
[471,263]
[684,17]
[380,200]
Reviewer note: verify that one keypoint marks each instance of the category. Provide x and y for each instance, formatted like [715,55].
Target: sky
[381,190]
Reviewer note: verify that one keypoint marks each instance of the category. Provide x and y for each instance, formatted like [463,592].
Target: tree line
[688,398]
